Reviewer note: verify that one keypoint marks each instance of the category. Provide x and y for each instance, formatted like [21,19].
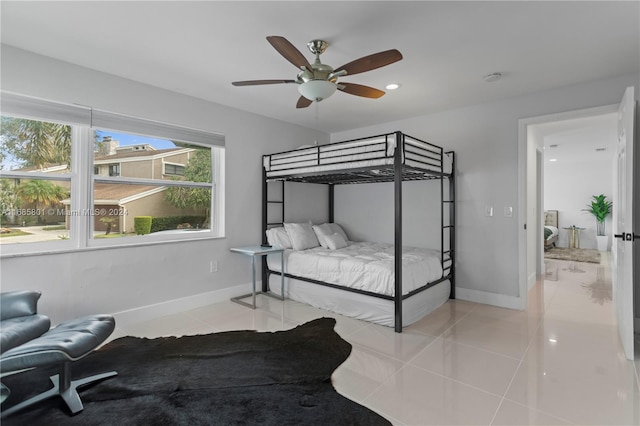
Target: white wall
[116,280]
[485,138]
[568,188]
[534,226]
[363,223]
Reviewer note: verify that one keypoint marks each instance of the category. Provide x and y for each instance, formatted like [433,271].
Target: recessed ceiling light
[553,160]
[392,86]
[495,76]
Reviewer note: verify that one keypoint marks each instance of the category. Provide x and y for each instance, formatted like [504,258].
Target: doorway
[536,135]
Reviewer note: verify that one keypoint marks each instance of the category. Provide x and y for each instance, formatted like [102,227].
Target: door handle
[627,237]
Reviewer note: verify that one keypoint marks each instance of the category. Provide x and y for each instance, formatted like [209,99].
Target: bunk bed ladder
[397,183]
[449,228]
[266,201]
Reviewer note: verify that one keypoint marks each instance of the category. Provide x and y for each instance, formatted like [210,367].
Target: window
[32,196]
[73,182]
[174,169]
[114,169]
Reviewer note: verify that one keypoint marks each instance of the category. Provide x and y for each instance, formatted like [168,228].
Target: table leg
[253,279]
[572,241]
[282,275]
[237,299]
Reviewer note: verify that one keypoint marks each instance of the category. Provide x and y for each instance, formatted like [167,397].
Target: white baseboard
[149,312]
[501,300]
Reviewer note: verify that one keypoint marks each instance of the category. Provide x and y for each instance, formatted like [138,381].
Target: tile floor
[558,363]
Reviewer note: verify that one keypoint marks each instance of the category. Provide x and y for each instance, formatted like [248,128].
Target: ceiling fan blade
[258,82]
[371,62]
[303,102]
[360,90]
[290,53]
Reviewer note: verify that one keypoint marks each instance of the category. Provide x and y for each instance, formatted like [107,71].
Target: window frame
[175,165]
[115,166]
[82,178]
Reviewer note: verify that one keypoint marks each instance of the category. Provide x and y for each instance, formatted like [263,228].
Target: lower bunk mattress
[364,266]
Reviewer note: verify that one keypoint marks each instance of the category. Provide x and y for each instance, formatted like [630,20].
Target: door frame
[525,149]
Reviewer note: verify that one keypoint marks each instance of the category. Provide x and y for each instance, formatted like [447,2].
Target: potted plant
[600,208]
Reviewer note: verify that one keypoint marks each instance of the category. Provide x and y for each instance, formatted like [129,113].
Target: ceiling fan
[318,81]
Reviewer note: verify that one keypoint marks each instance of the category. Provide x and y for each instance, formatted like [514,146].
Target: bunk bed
[393,157]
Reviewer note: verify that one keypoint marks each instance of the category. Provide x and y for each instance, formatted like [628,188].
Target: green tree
[8,197]
[198,169]
[41,193]
[34,143]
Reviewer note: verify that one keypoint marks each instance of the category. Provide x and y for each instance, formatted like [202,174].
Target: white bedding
[364,265]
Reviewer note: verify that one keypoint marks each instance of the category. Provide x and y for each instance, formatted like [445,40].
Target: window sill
[137,244]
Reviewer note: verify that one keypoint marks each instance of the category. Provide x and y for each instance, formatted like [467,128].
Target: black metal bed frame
[397,172]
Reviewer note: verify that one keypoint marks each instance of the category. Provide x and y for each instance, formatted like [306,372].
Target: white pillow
[279,237]
[301,235]
[337,228]
[321,232]
[335,241]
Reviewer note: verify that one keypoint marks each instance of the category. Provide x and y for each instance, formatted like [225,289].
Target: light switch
[508,211]
[488,211]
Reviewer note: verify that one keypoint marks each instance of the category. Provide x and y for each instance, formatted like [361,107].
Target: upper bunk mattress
[364,265]
[366,153]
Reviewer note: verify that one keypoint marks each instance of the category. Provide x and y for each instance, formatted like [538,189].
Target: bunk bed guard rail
[375,154]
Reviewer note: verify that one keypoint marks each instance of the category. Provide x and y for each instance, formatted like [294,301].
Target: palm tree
[41,193]
[35,143]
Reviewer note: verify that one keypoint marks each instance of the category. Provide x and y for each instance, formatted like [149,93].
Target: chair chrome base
[63,386]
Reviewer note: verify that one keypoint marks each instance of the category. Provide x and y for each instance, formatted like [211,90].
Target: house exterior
[123,202]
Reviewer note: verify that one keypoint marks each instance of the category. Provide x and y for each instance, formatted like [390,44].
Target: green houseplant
[600,208]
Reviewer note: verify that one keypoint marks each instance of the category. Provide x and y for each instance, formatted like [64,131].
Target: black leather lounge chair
[26,342]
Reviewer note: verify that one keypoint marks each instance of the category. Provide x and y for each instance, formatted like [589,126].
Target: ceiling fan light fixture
[317,90]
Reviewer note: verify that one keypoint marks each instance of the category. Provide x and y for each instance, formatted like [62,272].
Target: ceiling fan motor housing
[318,71]
[319,82]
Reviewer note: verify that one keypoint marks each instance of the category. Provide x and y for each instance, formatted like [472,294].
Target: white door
[623,223]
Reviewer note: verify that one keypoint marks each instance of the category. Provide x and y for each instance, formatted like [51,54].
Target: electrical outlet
[213,266]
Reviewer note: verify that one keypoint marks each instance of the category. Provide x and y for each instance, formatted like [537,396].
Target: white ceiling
[199,48]
[580,139]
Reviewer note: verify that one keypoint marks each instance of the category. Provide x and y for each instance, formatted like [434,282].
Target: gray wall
[121,279]
[485,139]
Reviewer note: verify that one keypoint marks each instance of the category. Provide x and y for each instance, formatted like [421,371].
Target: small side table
[574,236]
[254,251]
